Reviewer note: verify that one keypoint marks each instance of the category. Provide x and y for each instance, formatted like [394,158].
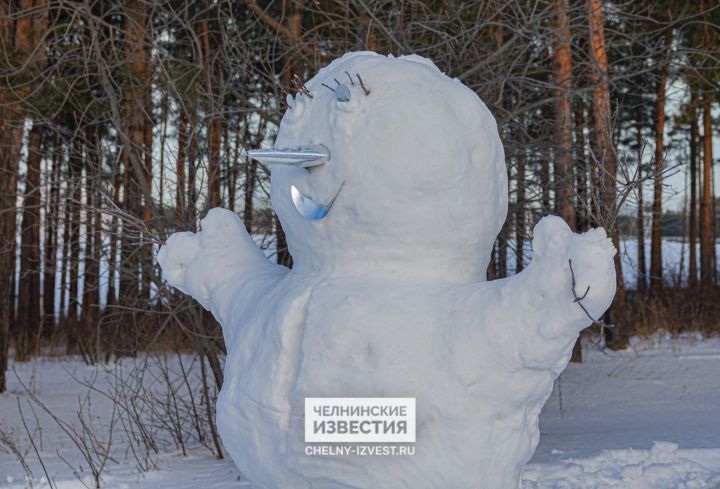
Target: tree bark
[73,206]
[581,168]
[642,265]
[93,234]
[250,183]
[192,172]
[693,231]
[233,171]
[180,170]
[707,246]
[136,157]
[564,178]
[51,244]
[28,25]
[114,239]
[520,221]
[604,153]
[28,323]
[562,67]
[294,28]
[656,278]
[214,123]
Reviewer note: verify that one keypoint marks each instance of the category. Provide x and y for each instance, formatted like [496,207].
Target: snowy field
[675,260]
[648,417]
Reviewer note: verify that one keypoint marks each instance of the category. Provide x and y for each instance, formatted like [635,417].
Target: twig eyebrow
[367,92]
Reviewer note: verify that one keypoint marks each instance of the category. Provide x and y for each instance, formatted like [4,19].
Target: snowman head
[386,165]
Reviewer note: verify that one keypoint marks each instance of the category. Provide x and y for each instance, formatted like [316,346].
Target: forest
[123,122]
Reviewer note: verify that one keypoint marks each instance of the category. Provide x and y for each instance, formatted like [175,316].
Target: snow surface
[387,296]
[615,407]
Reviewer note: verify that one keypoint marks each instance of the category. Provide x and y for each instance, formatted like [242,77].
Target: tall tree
[28,55]
[52,217]
[693,232]
[520,198]
[214,121]
[604,150]
[28,324]
[180,170]
[562,68]
[581,167]
[136,158]
[93,243]
[642,265]
[707,245]
[656,279]
[75,165]
[707,217]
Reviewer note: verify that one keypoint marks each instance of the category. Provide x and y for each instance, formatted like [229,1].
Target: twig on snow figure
[578,299]
[367,92]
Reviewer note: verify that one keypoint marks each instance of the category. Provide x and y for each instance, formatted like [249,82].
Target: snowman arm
[539,303]
[218,266]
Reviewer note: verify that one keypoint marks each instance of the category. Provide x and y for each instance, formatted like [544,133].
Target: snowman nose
[304,156]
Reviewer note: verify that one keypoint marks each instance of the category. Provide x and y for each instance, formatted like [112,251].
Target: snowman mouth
[308,208]
[303,157]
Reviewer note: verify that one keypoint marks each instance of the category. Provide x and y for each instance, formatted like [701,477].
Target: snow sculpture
[390,183]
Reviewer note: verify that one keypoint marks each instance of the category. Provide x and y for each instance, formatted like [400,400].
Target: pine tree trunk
[148,205]
[28,324]
[19,31]
[294,26]
[656,278]
[93,233]
[520,222]
[192,166]
[75,174]
[10,137]
[180,171]
[562,67]
[545,187]
[214,124]
[502,243]
[114,238]
[232,172]
[136,157]
[51,227]
[604,152]
[642,265]
[250,183]
[693,232]
[64,264]
[581,168]
[707,246]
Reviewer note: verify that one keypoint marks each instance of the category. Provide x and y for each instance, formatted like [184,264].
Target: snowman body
[391,233]
[378,337]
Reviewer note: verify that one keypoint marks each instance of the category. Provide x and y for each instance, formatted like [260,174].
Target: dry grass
[673,310]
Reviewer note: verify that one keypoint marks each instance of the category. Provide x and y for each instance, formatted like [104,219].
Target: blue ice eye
[342,93]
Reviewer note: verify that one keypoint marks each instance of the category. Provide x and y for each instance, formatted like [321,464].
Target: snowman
[390,183]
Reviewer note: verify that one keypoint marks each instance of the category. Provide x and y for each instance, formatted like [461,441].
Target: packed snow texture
[387,296]
[614,406]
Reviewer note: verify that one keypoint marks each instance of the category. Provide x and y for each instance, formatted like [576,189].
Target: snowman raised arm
[390,182]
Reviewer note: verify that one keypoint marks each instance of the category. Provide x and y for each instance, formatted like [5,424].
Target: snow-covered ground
[648,417]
